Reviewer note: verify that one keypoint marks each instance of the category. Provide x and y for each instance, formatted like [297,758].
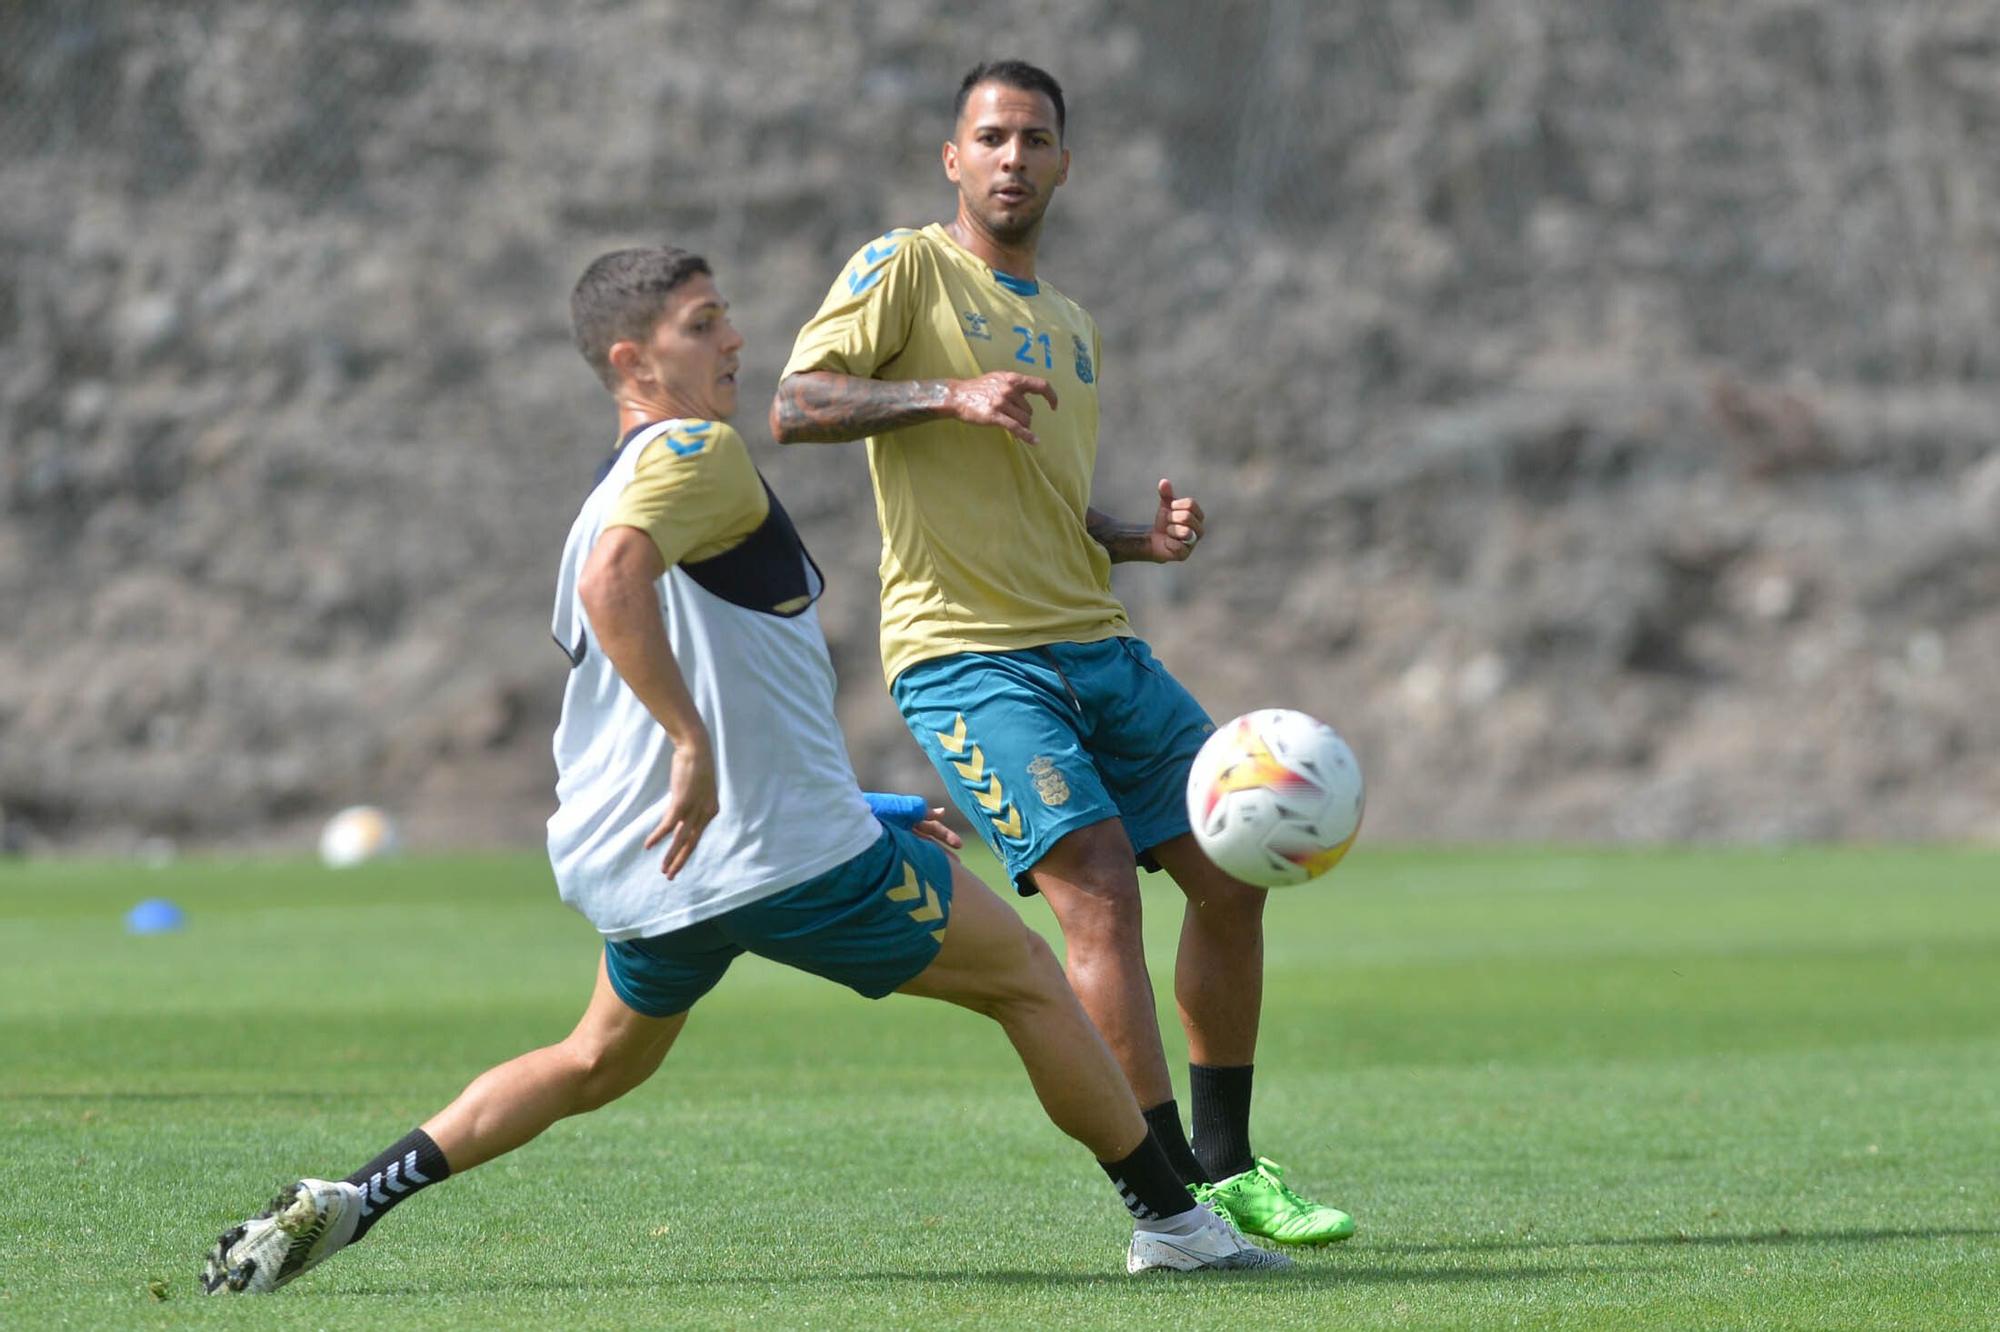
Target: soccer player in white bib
[707,809]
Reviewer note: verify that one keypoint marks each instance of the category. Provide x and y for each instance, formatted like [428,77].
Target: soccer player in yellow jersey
[707,810]
[1061,738]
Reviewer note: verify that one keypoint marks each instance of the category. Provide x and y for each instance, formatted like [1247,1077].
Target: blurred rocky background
[1594,401]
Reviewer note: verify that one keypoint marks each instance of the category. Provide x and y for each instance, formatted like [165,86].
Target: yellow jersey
[984,546]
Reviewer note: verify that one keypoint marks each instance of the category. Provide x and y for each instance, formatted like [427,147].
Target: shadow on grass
[1782,1235]
[1300,1278]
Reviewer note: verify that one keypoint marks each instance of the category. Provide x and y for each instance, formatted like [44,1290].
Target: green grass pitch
[1632,1089]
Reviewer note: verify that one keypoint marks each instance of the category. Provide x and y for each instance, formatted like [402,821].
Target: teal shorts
[871,923]
[1036,743]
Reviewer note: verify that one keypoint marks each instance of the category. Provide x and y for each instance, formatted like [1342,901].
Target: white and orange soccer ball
[1275,797]
[357,835]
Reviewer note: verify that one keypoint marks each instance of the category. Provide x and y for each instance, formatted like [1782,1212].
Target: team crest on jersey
[1049,783]
[976,326]
[1083,370]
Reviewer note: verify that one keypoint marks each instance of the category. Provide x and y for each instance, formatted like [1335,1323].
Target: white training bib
[790,807]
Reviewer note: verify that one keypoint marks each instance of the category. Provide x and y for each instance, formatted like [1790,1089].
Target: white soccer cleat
[1214,1245]
[303,1227]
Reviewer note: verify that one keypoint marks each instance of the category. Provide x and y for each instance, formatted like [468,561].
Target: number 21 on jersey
[1030,340]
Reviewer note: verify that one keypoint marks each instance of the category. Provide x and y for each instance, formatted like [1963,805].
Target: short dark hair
[1012,74]
[620,296]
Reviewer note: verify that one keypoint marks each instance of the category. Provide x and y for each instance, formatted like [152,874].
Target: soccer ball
[357,834]
[1275,798]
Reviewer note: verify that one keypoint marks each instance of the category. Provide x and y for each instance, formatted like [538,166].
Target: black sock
[411,1164]
[1163,1121]
[1150,1187]
[1221,1101]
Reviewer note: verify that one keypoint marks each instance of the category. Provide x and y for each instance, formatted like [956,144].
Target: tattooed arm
[1124,541]
[820,407]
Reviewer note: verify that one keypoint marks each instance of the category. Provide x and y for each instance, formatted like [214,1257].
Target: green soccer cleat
[1261,1203]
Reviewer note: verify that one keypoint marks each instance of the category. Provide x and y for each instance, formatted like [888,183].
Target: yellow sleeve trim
[694,491]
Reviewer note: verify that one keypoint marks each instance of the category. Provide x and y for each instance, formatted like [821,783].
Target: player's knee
[1111,922]
[1039,965]
[602,1072]
[1032,979]
[1019,969]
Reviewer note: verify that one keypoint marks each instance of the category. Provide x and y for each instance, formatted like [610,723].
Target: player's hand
[691,807]
[1177,527]
[1000,398]
[937,830]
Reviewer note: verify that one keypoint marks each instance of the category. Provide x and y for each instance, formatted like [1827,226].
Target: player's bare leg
[1091,885]
[1219,970]
[1219,990]
[611,1051]
[992,963]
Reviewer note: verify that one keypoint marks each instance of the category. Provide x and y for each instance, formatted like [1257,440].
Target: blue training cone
[155,915]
